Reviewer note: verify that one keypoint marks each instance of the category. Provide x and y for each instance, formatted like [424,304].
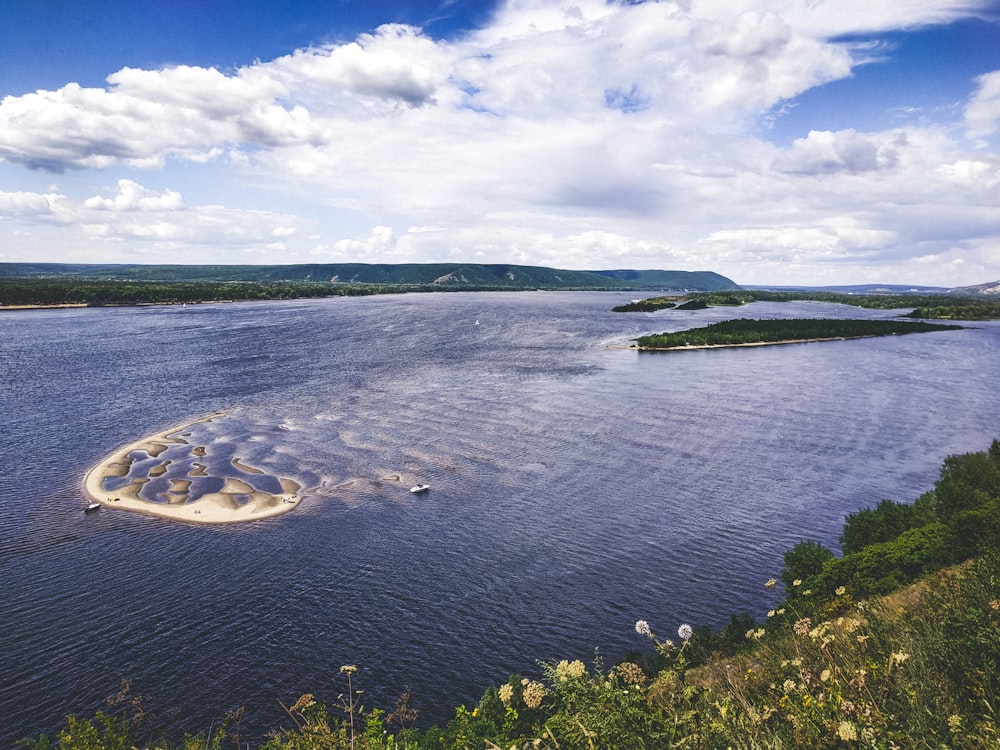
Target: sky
[777,142]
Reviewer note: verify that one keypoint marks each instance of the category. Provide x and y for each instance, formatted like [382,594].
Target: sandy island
[224,506]
[690,347]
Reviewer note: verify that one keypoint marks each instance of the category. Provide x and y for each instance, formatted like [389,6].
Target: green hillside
[434,275]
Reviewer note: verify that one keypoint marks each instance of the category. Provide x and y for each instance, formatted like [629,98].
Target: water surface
[577,486]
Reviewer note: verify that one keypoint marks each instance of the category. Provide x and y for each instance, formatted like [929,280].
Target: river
[577,485]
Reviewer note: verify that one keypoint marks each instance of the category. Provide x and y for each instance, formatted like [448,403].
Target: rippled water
[576,487]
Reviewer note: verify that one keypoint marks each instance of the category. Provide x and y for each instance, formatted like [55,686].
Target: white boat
[420,488]
[92,507]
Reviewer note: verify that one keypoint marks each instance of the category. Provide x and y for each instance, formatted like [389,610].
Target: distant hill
[992,287]
[862,289]
[440,275]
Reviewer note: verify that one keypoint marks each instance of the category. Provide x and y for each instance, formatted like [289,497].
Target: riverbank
[237,500]
[691,347]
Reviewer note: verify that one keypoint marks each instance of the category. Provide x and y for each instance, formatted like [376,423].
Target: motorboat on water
[416,489]
[92,507]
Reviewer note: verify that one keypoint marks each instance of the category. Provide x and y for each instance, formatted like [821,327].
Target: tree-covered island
[923,306]
[749,332]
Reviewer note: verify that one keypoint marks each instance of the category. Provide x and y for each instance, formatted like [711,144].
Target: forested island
[923,306]
[750,332]
[853,655]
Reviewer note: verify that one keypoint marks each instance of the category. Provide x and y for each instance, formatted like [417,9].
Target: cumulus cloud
[167,229]
[982,114]
[572,133]
[134,197]
[825,152]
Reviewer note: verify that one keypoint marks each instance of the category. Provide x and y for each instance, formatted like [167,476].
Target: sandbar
[237,501]
[691,347]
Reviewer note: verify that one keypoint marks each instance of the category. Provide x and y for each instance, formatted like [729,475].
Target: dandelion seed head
[685,632]
[642,628]
[770,583]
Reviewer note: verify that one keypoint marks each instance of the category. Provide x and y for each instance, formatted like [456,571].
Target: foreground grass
[855,656]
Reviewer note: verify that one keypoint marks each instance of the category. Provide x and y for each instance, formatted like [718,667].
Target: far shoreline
[211,508]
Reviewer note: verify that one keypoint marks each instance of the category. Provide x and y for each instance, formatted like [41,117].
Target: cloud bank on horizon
[582,134]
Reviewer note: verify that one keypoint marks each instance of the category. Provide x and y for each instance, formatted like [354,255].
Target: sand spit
[238,500]
[693,347]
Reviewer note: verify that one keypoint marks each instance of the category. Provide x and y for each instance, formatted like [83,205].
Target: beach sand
[238,500]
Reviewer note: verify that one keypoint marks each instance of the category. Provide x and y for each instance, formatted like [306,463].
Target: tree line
[750,331]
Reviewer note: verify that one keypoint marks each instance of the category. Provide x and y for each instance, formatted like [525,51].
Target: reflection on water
[576,486]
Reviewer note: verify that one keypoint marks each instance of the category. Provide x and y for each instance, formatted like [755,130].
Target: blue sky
[773,141]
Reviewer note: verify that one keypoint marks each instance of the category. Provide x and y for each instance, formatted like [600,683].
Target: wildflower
[348,669]
[898,657]
[955,723]
[781,611]
[303,702]
[569,670]
[506,692]
[807,592]
[685,632]
[847,707]
[797,582]
[824,675]
[771,583]
[770,613]
[803,626]
[847,731]
[642,628]
[630,674]
[841,590]
[533,694]
[849,624]
[788,686]
[995,604]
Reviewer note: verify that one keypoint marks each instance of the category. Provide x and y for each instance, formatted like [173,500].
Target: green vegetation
[925,306]
[745,331]
[55,283]
[651,304]
[95,292]
[847,659]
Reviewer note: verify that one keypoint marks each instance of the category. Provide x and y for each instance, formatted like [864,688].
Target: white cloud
[576,133]
[982,114]
[160,222]
[824,152]
[133,196]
